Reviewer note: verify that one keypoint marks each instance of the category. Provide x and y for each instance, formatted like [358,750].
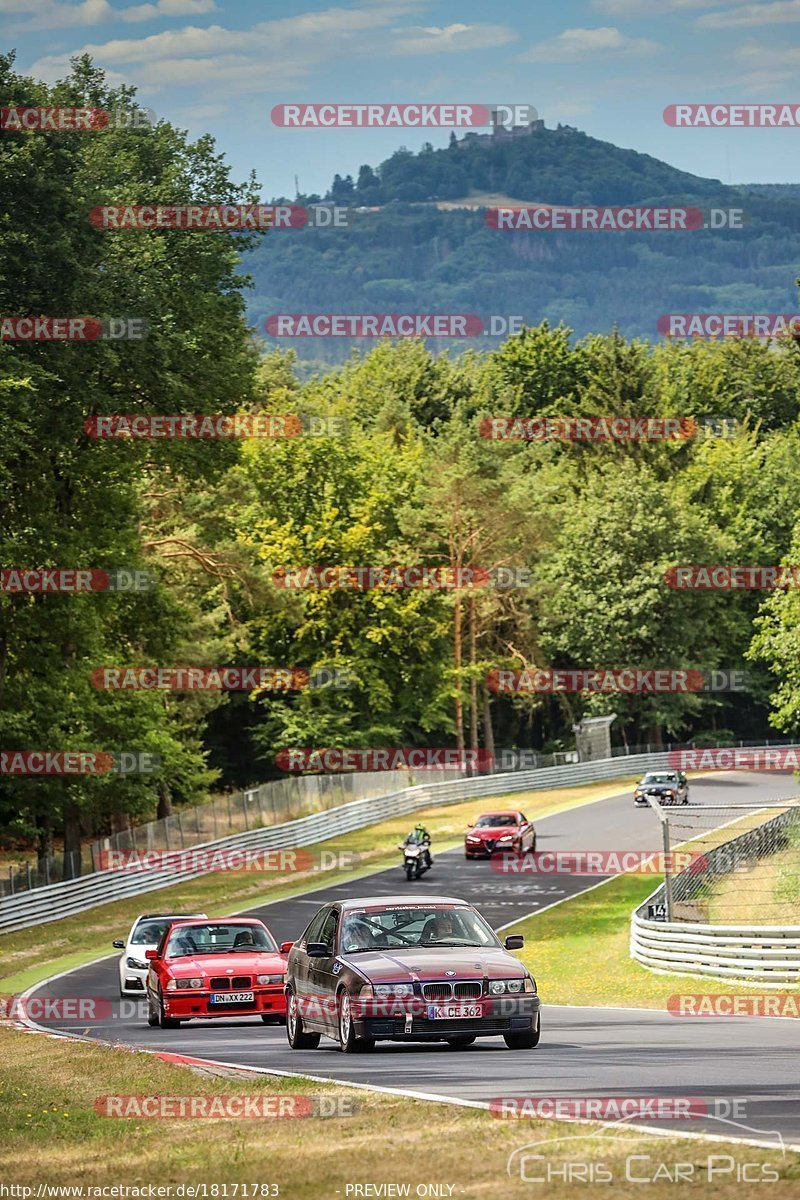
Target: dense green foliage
[412,256]
[395,472]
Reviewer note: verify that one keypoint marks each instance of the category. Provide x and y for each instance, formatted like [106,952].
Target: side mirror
[286,947]
[318,950]
[514,941]
[118,944]
[151,954]
[470,824]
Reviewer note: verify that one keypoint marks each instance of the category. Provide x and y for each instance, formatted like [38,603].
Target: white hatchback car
[145,934]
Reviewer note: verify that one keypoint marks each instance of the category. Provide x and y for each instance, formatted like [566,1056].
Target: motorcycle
[416,859]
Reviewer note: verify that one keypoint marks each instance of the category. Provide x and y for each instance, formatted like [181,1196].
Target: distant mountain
[424,244]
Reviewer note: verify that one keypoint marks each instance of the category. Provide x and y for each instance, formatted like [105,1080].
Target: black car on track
[666,787]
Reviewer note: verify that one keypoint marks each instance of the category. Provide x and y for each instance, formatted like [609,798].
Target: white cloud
[580,45]
[53,14]
[436,40]
[780,12]
[273,55]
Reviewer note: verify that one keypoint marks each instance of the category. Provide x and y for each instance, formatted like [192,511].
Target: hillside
[425,246]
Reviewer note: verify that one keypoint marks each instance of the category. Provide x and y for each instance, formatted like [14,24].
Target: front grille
[463,990]
[224,983]
[446,991]
[437,991]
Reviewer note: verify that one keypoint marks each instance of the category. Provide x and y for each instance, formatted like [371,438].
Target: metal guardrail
[746,953]
[45,904]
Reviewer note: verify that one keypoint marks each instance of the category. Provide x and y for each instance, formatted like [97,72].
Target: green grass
[578,952]
[52,1134]
[33,954]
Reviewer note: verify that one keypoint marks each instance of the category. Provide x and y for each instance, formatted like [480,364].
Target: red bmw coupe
[226,968]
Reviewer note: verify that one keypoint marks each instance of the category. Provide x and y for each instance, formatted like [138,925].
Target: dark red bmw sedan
[423,970]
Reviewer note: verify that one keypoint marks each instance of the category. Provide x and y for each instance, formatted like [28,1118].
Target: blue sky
[608,66]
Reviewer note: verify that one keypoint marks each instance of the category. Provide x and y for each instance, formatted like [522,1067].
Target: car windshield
[150,933]
[659,778]
[401,928]
[491,819]
[219,939]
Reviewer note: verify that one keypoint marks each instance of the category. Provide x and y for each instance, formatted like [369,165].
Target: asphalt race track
[583,1051]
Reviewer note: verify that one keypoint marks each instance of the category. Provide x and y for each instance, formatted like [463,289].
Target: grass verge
[32,954]
[53,1136]
[579,953]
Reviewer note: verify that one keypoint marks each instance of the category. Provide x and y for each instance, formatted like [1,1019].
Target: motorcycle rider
[419,836]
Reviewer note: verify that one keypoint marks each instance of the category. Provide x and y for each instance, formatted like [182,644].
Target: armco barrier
[76,895]
[746,953]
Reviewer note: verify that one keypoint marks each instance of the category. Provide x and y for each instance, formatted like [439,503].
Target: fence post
[244,809]
[28,873]
[667,867]
[197,820]
[230,814]
[214,815]
[11,879]
[180,828]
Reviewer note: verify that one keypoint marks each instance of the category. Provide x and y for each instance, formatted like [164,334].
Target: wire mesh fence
[745,864]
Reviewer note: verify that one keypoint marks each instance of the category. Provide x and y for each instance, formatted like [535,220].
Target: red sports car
[499,831]
[226,968]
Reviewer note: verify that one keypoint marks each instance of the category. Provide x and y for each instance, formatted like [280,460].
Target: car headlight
[264,979]
[394,989]
[669,793]
[507,838]
[529,984]
[497,987]
[135,964]
[473,839]
[183,985]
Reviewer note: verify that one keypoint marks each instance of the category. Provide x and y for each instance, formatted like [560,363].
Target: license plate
[233,997]
[446,1012]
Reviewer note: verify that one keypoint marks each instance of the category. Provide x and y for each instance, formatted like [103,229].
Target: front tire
[165,1022]
[348,1042]
[409,872]
[298,1039]
[526,1040]
[152,1013]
